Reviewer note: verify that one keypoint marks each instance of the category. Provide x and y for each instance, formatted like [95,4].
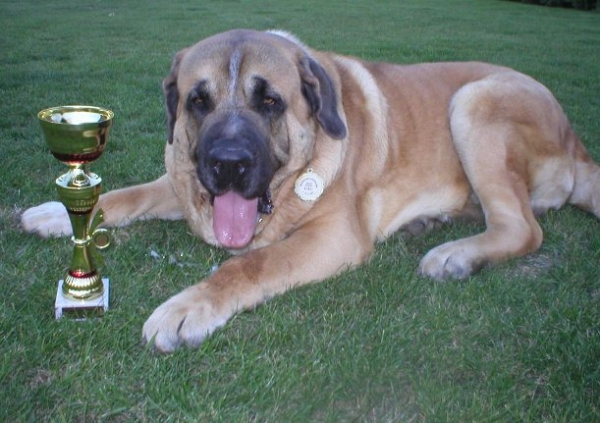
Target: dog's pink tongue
[234,219]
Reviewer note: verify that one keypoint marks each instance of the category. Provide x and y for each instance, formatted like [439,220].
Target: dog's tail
[586,192]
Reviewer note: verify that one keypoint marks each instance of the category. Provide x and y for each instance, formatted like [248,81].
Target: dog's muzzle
[234,164]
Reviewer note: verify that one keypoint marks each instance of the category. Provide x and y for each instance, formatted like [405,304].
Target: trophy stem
[79,191]
[82,281]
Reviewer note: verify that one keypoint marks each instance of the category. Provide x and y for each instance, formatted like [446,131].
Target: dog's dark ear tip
[338,131]
[332,124]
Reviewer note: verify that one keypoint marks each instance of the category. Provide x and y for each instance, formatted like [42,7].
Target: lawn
[520,342]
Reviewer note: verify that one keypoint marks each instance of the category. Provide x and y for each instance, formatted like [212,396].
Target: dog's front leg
[120,207]
[310,254]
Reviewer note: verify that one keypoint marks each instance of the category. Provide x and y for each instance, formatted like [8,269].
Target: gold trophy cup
[77,135]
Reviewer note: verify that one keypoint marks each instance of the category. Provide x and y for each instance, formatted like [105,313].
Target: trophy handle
[99,237]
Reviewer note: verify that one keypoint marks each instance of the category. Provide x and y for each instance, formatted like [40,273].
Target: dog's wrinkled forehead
[228,57]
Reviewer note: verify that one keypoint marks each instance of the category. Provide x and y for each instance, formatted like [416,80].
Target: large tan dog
[299,161]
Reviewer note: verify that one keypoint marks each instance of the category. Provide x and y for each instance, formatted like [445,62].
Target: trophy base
[81,309]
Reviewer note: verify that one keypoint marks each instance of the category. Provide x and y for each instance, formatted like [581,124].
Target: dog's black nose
[229,165]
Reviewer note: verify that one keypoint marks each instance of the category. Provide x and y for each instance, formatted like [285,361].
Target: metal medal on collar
[309,186]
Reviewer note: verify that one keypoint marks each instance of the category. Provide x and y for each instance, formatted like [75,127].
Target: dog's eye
[266,100]
[199,103]
[199,100]
[270,105]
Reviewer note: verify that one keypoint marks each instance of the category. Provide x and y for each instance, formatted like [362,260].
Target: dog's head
[245,105]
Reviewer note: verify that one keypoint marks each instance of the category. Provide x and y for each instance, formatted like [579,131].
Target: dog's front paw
[453,260]
[47,220]
[185,319]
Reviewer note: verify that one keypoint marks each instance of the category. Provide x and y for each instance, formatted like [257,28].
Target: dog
[299,161]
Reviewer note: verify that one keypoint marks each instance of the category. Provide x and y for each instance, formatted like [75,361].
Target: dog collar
[309,186]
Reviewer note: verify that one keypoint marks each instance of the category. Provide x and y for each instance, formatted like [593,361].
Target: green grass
[520,342]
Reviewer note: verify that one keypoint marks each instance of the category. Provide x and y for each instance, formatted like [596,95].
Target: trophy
[77,135]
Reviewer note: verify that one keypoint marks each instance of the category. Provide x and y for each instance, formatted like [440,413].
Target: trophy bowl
[77,135]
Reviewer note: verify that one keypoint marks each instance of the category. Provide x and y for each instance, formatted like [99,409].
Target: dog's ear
[172,95]
[321,96]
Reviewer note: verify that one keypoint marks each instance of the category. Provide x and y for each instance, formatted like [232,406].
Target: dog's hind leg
[511,228]
[507,131]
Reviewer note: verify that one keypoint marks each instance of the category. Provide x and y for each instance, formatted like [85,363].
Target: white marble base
[80,308]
